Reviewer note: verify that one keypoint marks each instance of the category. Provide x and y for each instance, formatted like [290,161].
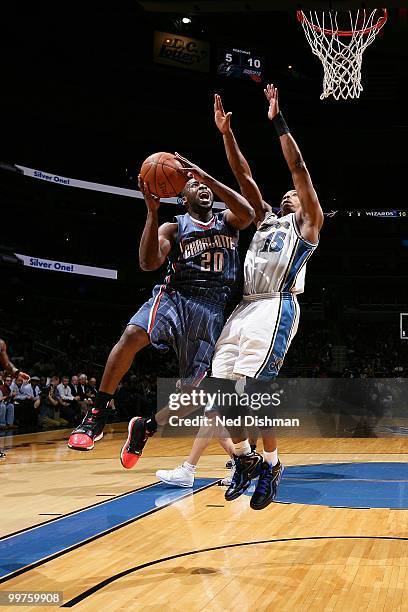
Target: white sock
[271,458]
[190,466]
[242,448]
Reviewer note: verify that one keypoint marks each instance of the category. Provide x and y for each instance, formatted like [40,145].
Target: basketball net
[341,51]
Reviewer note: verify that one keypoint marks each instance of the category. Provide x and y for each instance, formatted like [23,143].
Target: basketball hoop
[341,50]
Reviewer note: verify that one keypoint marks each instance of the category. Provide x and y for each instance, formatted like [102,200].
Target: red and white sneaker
[135,442]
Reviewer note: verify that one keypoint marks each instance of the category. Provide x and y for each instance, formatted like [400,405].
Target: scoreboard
[240,64]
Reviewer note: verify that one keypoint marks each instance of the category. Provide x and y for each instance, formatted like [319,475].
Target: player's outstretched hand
[24,376]
[221,118]
[191,170]
[152,201]
[271,93]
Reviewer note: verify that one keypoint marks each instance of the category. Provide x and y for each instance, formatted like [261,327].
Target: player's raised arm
[310,215]
[5,360]
[8,365]
[238,163]
[240,213]
[156,242]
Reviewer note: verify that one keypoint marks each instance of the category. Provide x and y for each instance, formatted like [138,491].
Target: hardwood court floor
[201,552]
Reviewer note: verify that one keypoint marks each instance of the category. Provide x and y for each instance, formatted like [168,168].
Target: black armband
[280,125]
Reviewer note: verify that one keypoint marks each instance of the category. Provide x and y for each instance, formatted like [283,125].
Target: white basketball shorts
[256,337]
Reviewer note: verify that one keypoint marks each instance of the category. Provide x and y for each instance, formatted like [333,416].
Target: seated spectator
[79,389]
[82,384]
[65,391]
[83,387]
[70,409]
[49,406]
[31,390]
[91,390]
[16,388]
[75,387]
[25,397]
[7,404]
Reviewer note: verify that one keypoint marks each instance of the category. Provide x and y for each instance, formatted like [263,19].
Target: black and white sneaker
[247,467]
[267,486]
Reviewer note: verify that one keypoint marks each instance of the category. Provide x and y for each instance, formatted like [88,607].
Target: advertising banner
[181,51]
[63,266]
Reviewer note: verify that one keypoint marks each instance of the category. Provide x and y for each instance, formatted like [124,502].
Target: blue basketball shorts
[191,327]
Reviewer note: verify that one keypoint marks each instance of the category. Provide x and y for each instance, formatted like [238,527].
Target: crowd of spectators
[376,351]
[51,402]
[310,355]
[44,402]
[81,344]
[368,350]
[70,343]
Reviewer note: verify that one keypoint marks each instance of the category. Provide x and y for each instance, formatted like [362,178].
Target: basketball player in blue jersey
[186,312]
[256,337]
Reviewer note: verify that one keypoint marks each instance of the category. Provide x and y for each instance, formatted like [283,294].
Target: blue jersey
[204,262]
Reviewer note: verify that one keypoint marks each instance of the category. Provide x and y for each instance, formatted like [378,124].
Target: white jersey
[277,256]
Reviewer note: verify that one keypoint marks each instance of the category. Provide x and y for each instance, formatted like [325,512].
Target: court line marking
[61,516]
[339,479]
[60,553]
[14,533]
[346,453]
[97,587]
[359,507]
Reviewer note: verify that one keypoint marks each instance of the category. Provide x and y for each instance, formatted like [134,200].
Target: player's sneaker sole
[136,428]
[83,442]
[175,484]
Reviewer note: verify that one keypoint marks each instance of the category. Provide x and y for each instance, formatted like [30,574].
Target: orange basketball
[160,172]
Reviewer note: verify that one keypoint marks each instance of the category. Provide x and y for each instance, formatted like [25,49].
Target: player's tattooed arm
[240,213]
[156,242]
[310,215]
[238,163]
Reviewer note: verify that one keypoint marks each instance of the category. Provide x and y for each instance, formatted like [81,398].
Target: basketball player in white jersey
[255,339]
[254,342]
